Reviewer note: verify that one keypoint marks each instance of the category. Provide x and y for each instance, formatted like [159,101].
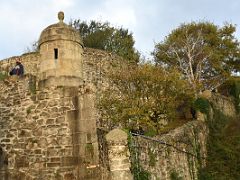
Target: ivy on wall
[223,148]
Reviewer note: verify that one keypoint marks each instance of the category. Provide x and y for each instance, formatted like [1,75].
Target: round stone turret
[61,49]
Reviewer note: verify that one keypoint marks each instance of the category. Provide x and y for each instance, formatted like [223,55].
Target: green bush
[3,76]
[202,105]
[175,176]
[204,175]
[223,148]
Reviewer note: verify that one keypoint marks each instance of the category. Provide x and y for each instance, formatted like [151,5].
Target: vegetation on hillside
[223,145]
[223,149]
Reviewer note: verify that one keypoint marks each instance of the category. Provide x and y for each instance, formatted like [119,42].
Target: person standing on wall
[18,69]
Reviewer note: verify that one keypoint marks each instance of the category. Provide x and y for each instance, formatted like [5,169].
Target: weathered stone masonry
[182,151]
[48,118]
[49,122]
[48,130]
[42,134]
[183,154]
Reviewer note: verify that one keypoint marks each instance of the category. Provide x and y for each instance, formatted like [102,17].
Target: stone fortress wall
[179,153]
[95,64]
[42,134]
[50,133]
[183,151]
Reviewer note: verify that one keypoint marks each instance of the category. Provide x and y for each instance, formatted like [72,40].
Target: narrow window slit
[55,53]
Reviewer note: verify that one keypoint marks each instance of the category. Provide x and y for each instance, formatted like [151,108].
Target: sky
[150,21]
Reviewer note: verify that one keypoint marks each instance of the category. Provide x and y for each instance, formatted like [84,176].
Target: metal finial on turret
[61,16]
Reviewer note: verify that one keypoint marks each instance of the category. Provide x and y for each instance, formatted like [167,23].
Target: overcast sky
[22,21]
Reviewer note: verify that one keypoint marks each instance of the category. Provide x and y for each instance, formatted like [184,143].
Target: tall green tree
[106,37]
[204,53]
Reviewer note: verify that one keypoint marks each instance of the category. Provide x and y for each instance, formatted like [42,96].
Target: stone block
[38,151]
[52,103]
[50,121]
[53,152]
[24,133]
[21,161]
[55,159]
[37,132]
[69,176]
[49,165]
[69,161]
[60,120]
[65,140]
[5,140]
[63,131]
[42,142]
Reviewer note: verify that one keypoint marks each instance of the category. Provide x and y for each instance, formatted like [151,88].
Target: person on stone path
[18,69]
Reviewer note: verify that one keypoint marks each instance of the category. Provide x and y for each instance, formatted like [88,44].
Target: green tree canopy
[203,52]
[103,36]
[143,96]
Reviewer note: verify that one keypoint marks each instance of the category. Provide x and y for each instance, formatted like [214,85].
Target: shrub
[202,105]
[175,176]
[3,76]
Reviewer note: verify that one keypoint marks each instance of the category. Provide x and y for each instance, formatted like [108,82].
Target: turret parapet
[61,49]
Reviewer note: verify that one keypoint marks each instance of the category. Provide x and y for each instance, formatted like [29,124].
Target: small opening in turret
[55,53]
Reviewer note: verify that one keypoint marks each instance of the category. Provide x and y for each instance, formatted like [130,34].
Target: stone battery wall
[95,64]
[49,134]
[181,156]
[181,152]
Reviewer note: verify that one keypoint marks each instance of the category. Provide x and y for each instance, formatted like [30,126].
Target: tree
[204,53]
[142,96]
[103,36]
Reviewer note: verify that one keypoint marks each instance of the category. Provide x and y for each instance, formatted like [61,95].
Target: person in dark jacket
[18,69]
